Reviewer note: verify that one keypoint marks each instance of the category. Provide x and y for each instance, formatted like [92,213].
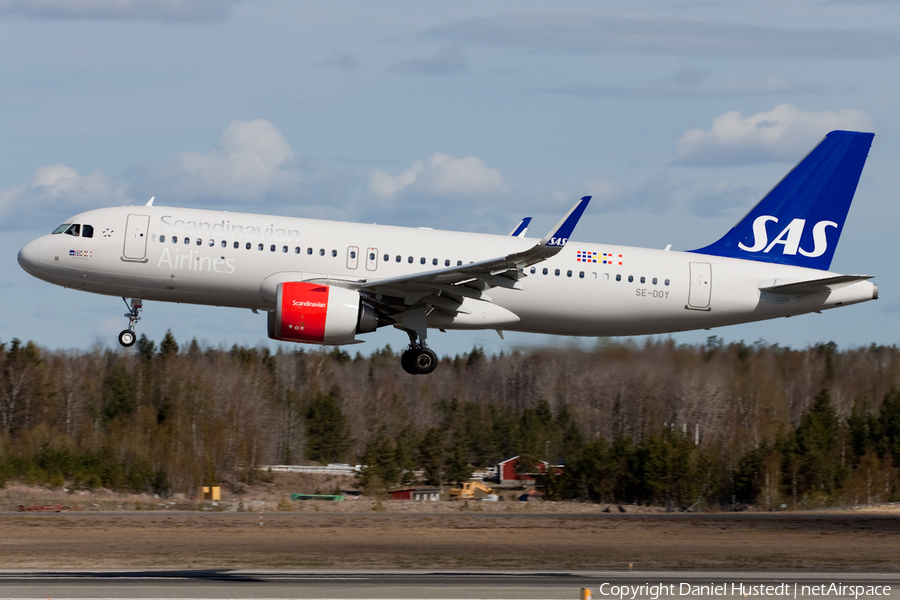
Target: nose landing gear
[127,337]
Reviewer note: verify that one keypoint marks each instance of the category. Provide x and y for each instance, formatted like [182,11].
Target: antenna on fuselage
[150,201]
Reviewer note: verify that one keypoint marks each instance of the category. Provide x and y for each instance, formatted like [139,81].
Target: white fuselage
[224,259]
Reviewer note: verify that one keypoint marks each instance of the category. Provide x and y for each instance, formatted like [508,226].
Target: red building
[506,470]
[420,495]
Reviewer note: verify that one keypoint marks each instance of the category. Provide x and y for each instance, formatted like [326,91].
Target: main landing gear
[127,337]
[418,359]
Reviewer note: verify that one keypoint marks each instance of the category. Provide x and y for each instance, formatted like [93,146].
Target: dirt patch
[105,530]
[461,539]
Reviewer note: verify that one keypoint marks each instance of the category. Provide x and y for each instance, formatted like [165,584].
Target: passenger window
[334,253]
[224,244]
[321,251]
[434,261]
[556,272]
[568,273]
[87,231]
[409,260]
[398,258]
[533,270]
[643,279]
[296,249]
[249,245]
[630,278]
[200,242]
[545,271]
[174,239]
[667,282]
[162,238]
[272,248]
[212,243]
[284,249]
[447,263]
[581,274]
[353,254]
[309,250]
[261,247]
[619,277]
[422,260]
[459,263]
[655,280]
[237,245]
[187,241]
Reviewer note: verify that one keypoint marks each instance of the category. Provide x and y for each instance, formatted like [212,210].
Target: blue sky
[677,117]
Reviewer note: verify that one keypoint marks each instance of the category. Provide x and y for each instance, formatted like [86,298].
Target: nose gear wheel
[128,337]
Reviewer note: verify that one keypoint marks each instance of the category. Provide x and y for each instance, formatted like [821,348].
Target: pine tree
[327,433]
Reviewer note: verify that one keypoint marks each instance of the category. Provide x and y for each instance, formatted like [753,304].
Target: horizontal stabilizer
[811,286]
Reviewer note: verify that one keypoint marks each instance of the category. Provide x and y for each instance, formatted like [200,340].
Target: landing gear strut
[127,337]
[418,359]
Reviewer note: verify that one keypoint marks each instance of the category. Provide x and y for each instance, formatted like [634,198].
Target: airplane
[327,282]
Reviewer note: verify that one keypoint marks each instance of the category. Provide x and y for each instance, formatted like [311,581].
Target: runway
[456,585]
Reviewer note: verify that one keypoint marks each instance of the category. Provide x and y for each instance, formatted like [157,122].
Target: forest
[731,426]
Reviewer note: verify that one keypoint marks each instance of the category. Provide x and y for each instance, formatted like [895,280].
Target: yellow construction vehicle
[468,490]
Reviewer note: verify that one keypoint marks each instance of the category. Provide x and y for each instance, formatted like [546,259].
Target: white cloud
[251,162]
[783,133]
[170,11]
[441,176]
[56,192]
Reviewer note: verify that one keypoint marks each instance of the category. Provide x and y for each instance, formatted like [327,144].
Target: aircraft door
[136,228]
[372,259]
[701,286]
[352,257]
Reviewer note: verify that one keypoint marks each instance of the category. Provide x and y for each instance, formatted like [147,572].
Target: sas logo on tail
[789,237]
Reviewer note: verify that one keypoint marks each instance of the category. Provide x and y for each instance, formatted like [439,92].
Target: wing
[446,289]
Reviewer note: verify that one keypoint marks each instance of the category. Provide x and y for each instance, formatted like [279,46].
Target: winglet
[559,235]
[521,228]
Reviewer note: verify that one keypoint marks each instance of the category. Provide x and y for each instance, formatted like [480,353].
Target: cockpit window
[87,231]
[61,228]
[74,230]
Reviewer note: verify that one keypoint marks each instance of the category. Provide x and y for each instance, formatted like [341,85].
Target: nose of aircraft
[30,256]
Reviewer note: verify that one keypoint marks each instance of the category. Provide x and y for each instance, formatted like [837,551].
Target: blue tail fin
[799,222]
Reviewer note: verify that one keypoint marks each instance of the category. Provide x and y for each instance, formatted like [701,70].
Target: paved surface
[405,584]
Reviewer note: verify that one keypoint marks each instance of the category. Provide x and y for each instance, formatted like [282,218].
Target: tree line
[729,425]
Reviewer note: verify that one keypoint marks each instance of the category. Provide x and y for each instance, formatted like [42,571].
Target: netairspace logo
[738,589]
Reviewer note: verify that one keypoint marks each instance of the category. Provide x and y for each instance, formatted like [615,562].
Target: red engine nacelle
[319,314]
